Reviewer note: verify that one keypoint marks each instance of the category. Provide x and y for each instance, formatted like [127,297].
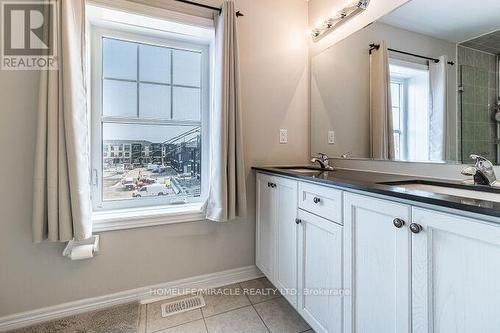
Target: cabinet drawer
[321,200]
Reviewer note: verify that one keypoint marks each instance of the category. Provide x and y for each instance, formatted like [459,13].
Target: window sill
[146,217]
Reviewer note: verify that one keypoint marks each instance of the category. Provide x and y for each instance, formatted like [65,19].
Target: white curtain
[227,193]
[61,203]
[381,126]
[437,112]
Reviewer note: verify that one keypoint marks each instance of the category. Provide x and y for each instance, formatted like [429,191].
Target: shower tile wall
[478,78]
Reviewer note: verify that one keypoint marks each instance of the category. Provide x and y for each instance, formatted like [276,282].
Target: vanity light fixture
[351,10]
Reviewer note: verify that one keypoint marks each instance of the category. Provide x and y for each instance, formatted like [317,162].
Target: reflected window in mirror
[397,95]
[410,91]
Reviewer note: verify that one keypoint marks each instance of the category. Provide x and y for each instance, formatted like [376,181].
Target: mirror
[418,85]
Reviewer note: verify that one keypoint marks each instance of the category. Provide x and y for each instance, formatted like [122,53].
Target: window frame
[154,38]
[401,132]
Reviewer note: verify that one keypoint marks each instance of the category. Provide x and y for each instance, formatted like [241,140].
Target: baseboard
[142,295]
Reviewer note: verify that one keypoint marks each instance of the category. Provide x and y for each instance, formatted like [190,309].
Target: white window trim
[175,14]
[147,212]
[133,218]
[409,64]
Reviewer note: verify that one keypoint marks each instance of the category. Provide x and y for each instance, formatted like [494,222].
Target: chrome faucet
[482,171]
[323,161]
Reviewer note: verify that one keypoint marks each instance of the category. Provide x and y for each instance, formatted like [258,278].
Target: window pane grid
[196,106]
[154,151]
[150,82]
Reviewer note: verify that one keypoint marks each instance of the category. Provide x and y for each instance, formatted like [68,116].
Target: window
[397,96]
[150,107]
[410,110]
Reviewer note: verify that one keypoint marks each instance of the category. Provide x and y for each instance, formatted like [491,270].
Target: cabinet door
[377,265]
[320,273]
[285,274]
[455,274]
[265,224]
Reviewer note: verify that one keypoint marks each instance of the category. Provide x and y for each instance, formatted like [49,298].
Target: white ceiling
[451,20]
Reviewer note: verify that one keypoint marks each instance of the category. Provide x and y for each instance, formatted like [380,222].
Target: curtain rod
[238,13]
[377,46]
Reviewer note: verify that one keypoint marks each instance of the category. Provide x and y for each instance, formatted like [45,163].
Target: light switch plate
[283,136]
[331,137]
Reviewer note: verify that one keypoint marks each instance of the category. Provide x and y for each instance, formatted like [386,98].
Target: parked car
[152,167]
[160,169]
[128,184]
[150,191]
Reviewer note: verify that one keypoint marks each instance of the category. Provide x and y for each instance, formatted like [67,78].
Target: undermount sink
[305,170]
[464,191]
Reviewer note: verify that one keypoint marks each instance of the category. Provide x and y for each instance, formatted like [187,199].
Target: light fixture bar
[340,18]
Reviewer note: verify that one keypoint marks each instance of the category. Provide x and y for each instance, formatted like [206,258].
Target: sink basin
[307,170]
[464,191]
[304,170]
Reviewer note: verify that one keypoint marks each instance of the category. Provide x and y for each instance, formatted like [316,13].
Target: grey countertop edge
[482,207]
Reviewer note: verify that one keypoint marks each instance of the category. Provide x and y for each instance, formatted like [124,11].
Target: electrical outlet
[331,137]
[283,136]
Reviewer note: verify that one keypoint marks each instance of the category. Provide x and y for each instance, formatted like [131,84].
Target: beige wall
[275,95]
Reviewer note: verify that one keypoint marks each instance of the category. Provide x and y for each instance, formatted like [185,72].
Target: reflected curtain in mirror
[438,79]
[381,123]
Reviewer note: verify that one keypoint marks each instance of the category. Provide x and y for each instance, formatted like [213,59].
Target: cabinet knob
[298,221]
[398,223]
[316,200]
[416,228]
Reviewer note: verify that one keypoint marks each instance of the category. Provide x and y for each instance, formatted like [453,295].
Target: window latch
[94,180]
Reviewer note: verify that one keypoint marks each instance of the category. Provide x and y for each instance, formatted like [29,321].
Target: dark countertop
[370,182]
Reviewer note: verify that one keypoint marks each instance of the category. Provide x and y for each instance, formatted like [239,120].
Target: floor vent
[182,305]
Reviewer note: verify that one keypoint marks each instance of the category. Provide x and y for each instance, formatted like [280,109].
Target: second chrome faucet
[482,171]
[323,160]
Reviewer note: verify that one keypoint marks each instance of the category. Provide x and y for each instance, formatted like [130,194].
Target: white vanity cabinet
[402,268]
[455,274]
[377,265]
[418,270]
[300,251]
[320,272]
[276,239]
[265,228]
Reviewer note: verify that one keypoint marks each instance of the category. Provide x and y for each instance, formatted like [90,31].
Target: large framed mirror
[418,85]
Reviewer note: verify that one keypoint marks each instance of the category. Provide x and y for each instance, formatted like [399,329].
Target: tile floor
[248,307]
